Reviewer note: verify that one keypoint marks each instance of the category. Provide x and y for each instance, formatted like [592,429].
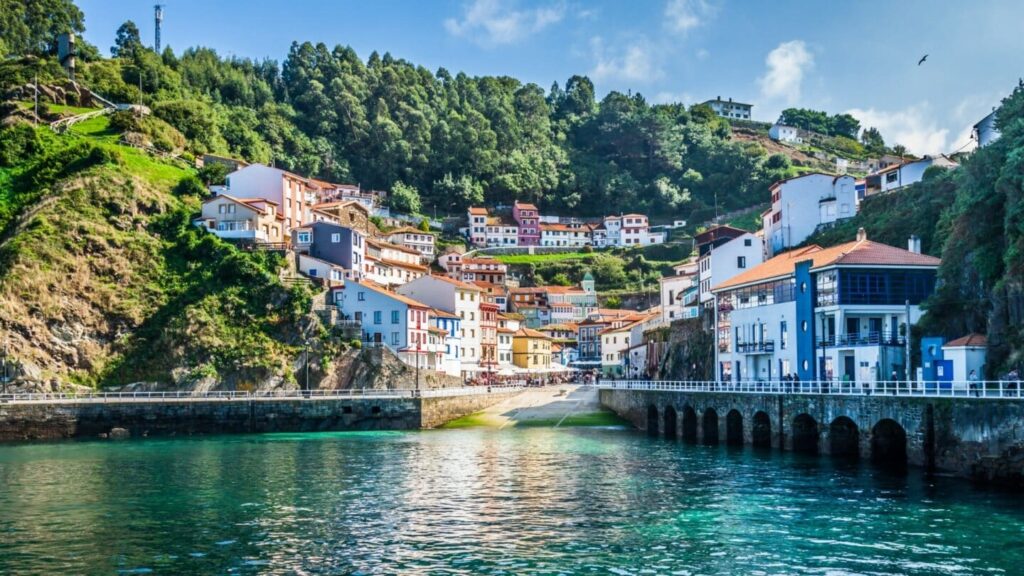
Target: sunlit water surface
[537,501]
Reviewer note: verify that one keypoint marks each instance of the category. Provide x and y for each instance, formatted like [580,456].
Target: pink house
[528,219]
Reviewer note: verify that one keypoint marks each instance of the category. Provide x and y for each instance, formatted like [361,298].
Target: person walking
[972,379]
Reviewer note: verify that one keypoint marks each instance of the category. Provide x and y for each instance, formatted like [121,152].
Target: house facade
[531,350]
[783,133]
[338,245]
[527,218]
[250,219]
[457,298]
[903,174]
[566,235]
[451,325]
[985,131]
[836,314]
[724,252]
[294,195]
[414,239]
[390,319]
[730,109]
[678,293]
[803,204]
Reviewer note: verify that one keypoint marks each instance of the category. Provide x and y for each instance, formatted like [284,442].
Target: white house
[899,175]
[414,239]
[294,195]
[458,298]
[250,219]
[568,235]
[625,231]
[390,319]
[783,133]
[507,326]
[834,314]
[730,109]
[967,355]
[802,204]
[392,265]
[477,230]
[674,290]
[451,324]
[985,131]
[724,252]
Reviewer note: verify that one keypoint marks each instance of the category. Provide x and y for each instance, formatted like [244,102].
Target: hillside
[104,281]
[973,218]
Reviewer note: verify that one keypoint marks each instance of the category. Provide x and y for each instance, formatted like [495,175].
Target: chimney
[914,244]
[862,235]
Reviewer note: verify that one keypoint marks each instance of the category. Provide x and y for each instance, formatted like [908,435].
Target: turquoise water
[534,501]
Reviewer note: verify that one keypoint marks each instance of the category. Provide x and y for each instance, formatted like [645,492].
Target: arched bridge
[973,435]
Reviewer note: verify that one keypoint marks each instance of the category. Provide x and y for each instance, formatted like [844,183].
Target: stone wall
[71,420]
[972,437]
[438,411]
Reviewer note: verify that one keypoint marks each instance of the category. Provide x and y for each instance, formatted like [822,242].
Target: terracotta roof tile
[862,252]
[969,341]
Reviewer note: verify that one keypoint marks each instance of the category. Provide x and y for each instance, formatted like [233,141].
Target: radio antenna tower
[158,14]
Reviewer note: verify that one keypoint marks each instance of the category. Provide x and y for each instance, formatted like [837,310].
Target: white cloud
[635,62]
[912,127]
[787,64]
[703,54]
[493,22]
[685,15]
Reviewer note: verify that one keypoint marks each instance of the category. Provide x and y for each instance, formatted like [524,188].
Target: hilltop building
[730,109]
[803,204]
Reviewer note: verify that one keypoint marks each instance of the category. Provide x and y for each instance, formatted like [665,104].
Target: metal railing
[232,396]
[883,338]
[1000,389]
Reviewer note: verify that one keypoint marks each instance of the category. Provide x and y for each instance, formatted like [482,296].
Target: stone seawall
[970,437]
[143,418]
[441,410]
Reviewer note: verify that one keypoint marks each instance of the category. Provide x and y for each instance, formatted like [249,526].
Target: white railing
[270,395]
[1001,389]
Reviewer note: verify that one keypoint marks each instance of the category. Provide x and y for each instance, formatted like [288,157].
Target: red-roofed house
[837,314]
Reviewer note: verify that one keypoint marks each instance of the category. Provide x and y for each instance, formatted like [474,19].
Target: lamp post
[3,364]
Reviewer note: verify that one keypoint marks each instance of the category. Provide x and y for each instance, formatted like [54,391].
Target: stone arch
[844,438]
[652,420]
[805,434]
[889,443]
[734,428]
[761,433]
[671,428]
[689,424]
[710,426]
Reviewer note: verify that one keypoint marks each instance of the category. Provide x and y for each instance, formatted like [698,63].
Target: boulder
[119,434]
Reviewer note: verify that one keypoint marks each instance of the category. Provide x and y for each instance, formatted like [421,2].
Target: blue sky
[858,57]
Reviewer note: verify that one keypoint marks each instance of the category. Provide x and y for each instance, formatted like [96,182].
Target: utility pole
[906,344]
[3,363]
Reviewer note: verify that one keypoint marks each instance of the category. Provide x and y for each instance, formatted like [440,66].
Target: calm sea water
[536,501]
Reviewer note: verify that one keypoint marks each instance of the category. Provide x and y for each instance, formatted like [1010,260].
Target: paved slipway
[547,406]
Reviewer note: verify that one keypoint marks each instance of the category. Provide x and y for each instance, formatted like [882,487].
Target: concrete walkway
[547,406]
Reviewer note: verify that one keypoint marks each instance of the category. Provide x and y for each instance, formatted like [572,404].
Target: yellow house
[531,349]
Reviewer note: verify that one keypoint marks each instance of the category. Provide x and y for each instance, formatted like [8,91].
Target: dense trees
[821,122]
[453,139]
[32,27]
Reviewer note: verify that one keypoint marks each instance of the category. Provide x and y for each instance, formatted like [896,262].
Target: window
[748,242]
[891,177]
[361,297]
[303,237]
[783,335]
[376,317]
[335,238]
[741,261]
[394,338]
[394,316]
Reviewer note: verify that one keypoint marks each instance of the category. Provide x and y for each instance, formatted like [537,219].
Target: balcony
[765,347]
[883,338]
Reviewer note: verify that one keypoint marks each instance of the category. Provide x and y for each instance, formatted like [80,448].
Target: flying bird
[923,58]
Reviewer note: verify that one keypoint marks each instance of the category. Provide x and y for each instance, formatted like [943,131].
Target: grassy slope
[91,292]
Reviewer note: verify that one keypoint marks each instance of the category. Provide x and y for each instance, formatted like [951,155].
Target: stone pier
[971,437]
[71,419]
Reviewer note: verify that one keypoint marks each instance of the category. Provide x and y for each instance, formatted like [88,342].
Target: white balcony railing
[1003,389]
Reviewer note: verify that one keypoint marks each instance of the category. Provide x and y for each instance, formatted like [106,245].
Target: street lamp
[3,364]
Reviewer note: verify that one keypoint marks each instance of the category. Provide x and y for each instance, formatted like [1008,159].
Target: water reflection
[484,502]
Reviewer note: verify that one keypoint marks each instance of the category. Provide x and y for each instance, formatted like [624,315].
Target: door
[875,327]
[849,367]
[852,330]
